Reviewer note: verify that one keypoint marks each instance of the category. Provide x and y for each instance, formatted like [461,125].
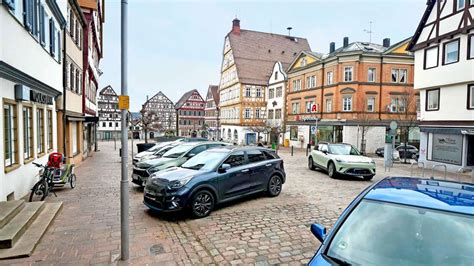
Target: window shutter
[34,14]
[59,46]
[42,26]
[52,37]
[26,14]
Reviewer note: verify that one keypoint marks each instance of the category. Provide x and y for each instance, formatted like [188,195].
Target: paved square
[257,230]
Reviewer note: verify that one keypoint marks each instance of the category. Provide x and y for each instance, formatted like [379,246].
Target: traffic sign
[393,125]
[124,102]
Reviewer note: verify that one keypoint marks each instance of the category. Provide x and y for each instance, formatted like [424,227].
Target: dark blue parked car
[403,221]
[215,176]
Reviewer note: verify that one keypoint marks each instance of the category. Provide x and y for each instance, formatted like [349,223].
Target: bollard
[291,150]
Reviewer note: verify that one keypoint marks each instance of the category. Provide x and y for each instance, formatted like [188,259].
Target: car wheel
[202,204]
[311,163]
[332,170]
[369,177]
[274,186]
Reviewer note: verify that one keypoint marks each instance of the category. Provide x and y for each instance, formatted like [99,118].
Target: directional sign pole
[123,104]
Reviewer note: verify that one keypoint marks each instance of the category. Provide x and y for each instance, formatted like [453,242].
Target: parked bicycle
[53,174]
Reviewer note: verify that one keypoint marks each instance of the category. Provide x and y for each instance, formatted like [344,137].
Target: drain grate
[157,249]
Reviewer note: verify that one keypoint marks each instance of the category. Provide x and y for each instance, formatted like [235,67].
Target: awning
[448,130]
[92,119]
[75,118]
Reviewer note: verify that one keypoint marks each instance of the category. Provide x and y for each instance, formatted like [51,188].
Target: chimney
[386,42]
[332,47]
[236,26]
[346,41]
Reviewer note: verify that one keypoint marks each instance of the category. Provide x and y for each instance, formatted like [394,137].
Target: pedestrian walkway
[87,230]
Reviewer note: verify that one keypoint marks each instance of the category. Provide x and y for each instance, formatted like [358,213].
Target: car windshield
[206,160]
[178,151]
[162,151]
[342,149]
[378,233]
[157,147]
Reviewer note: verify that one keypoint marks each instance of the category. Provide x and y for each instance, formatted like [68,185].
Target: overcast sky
[176,46]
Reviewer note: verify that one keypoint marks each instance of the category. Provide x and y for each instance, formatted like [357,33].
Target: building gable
[302,60]
[442,19]
[278,73]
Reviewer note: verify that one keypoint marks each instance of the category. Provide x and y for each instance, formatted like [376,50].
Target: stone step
[25,246]
[13,230]
[8,210]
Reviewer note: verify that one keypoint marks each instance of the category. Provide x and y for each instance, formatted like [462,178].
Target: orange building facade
[358,85]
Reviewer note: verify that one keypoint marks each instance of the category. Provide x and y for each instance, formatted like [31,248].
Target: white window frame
[328,105]
[258,92]
[248,92]
[347,103]
[470,95]
[309,106]
[371,104]
[371,74]
[348,74]
[247,113]
[329,77]
[295,108]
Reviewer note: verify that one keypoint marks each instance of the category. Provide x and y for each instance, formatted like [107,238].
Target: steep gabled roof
[214,91]
[108,87]
[185,97]
[400,44]
[156,95]
[255,53]
[314,55]
[429,7]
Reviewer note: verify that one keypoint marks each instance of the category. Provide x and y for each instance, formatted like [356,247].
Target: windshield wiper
[338,261]
[195,167]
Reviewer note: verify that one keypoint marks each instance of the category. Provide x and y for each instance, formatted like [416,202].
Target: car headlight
[177,184]
[153,170]
[341,161]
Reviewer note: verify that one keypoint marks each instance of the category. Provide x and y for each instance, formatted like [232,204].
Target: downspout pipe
[64,92]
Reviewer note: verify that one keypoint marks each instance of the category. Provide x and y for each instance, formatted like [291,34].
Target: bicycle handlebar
[38,165]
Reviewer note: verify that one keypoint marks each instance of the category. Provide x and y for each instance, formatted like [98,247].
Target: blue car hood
[176,173]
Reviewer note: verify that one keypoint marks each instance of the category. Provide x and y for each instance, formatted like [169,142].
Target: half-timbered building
[190,113]
[444,75]
[248,59]
[211,118]
[109,115]
[158,116]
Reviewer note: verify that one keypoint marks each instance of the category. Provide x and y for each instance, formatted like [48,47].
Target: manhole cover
[157,249]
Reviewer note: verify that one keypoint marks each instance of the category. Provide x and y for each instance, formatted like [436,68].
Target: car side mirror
[224,167]
[191,155]
[319,231]
[325,151]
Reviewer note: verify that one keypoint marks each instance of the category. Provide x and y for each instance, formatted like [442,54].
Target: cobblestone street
[258,230]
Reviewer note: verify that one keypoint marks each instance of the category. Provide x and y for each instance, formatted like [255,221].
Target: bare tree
[406,115]
[149,122]
[274,128]
[365,118]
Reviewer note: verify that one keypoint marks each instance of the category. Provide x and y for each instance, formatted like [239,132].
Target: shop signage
[447,148]
[40,97]
[24,93]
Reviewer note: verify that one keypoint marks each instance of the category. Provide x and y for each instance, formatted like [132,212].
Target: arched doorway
[236,135]
[229,134]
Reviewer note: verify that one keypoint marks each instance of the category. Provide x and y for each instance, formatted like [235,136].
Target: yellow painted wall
[309,60]
[402,49]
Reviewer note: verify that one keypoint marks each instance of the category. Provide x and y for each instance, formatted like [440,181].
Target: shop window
[10,135]
[294,133]
[50,129]
[40,131]
[27,132]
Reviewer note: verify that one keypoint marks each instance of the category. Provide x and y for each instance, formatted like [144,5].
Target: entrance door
[470,150]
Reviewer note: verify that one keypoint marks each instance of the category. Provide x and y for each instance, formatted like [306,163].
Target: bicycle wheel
[72,180]
[39,191]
